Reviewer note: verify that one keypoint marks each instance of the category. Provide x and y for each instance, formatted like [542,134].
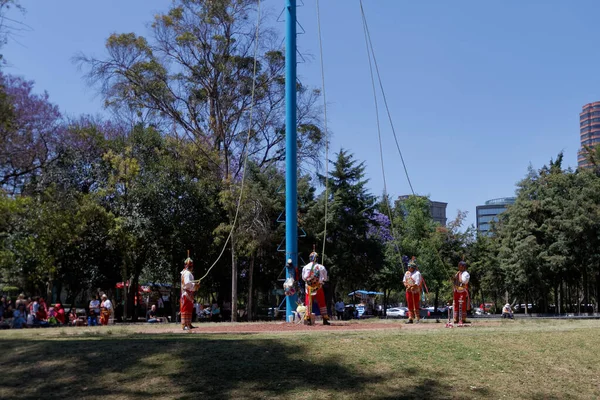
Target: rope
[369,53]
[239,202]
[326,132]
[368,37]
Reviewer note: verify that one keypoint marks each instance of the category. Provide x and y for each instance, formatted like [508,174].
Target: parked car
[397,312]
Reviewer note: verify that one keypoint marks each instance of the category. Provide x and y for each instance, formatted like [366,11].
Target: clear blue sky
[478,89]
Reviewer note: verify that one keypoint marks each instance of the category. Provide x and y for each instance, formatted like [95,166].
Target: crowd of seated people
[34,312]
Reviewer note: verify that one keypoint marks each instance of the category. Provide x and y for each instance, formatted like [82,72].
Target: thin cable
[325,127]
[387,202]
[368,34]
[239,202]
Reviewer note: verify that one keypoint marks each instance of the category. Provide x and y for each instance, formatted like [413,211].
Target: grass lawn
[543,359]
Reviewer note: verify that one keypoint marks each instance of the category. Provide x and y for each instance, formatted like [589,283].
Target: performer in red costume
[314,274]
[461,293]
[188,288]
[412,282]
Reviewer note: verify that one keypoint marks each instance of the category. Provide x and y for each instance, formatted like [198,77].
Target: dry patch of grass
[529,359]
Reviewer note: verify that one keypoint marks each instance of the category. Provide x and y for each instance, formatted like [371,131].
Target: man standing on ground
[412,283]
[314,274]
[461,292]
[188,288]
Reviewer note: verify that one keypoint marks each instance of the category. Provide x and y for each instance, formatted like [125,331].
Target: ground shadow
[196,366]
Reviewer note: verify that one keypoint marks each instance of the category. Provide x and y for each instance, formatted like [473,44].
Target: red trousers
[186,307]
[460,313]
[319,298]
[413,302]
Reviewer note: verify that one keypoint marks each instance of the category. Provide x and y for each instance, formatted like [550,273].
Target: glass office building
[488,213]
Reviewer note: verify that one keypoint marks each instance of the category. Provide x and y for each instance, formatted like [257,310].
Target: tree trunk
[563,304]
[569,299]
[234,282]
[436,299]
[597,291]
[556,300]
[482,300]
[586,288]
[249,312]
[125,292]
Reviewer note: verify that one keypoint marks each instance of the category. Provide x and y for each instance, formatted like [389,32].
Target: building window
[484,227]
[490,211]
[487,218]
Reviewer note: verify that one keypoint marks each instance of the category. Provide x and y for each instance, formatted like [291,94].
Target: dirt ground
[281,327]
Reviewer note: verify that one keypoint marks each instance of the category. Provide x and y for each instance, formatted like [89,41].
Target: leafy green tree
[196,73]
[353,255]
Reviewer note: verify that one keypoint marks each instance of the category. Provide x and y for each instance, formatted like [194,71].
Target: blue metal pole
[291,167]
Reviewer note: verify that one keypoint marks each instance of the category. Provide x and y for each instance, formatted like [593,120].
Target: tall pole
[291,167]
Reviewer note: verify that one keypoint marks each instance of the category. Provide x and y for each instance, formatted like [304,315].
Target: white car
[397,312]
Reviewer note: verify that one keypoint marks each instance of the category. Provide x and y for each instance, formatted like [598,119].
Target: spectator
[42,313]
[19,317]
[94,311]
[216,312]
[151,315]
[20,300]
[507,311]
[339,309]
[161,306]
[8,308]
[107,310]
[60,313]
[35,307]
[198,311]
[52,316]
[73,318]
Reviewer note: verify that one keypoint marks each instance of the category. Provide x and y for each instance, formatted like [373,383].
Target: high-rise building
[437,209]
[589,130]
[490,211]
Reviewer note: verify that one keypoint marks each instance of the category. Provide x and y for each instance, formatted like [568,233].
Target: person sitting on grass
[19,317]
[151,315]
[60,313]
[42,313]
[52,316]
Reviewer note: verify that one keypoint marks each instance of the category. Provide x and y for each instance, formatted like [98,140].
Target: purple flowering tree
[29,138]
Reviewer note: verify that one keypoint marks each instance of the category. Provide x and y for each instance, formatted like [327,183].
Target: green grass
[512,360]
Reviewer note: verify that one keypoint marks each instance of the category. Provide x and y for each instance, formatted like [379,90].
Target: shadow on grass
[192,366]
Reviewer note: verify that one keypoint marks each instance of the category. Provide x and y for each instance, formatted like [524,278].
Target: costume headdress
[313,256]
[188,261]
[413,263]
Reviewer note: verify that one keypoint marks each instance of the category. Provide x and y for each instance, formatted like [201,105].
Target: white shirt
[318,269]
[187,280]
[464,277]
[95,305]
[416,277]
[107,304]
